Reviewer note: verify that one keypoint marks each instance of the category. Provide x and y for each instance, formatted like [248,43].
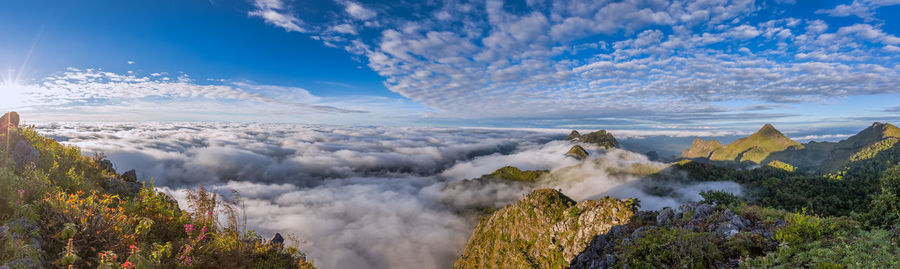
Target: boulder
[665,217]
[25,154]
[277,239]
[9,119]
[130,176]
[106,165]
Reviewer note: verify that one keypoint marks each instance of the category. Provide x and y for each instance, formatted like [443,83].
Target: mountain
[754,148]
[831,156]
[546,229]
[577,152]
[601,138]
[513,173]
[701,149]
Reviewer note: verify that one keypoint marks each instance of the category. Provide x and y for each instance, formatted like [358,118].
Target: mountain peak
[768,129]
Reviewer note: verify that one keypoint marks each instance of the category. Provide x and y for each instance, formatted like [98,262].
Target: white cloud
[860,8]
[491,61]
[358,11]
[277,13]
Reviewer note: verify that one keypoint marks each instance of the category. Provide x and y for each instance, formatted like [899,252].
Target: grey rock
[739,222]
[639,232]
[24,263]
[591,257]
[617,231]
[107,165]
[25,154]
[133,187]
[727,230]
[130,176]
[610,259]
[665,217]
[701,212]
[277,239]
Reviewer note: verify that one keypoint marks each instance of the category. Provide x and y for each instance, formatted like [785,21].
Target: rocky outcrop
[29,241]
[546,229]
[605,250]
[577,152]
[9,119]
[601,138]
[25,154]
[130,176]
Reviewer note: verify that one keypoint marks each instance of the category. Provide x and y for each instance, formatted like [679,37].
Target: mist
[370,197]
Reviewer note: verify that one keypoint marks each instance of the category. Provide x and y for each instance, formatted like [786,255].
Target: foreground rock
[9,119]
[546,229]
[696,231]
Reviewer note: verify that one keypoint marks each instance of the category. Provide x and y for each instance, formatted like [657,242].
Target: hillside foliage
[62,209]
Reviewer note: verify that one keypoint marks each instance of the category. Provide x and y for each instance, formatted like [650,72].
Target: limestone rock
[130,176]
[577,152]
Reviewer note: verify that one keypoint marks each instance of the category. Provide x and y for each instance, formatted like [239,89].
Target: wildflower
[128,264]
[188,228]
[202,234]
[21,193]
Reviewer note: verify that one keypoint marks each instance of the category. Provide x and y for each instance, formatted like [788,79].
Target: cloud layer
[623,58]
[368,197]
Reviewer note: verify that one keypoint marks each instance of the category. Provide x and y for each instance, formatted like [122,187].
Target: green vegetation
[701,149]
[885,209]
[545,229]
[782,165]
[675,248]
[818,205]
[512,173]
[87,219]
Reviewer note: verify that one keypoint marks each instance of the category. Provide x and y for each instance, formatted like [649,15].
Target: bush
[885,208]
[673,248]
[100,219]
[803,228]
[722,198]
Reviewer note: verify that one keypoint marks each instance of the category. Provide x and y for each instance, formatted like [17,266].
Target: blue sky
[557,64]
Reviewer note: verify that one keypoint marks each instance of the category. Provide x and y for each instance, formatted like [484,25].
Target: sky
[649,65]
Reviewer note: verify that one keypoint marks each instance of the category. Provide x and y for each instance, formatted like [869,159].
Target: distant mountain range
[768,146]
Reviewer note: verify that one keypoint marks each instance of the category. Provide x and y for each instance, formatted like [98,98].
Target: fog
[370,197]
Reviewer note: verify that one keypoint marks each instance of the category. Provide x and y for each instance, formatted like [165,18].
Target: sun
[13,95]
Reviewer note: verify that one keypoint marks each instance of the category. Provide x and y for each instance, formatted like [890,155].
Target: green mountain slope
[756,147]
[825,157]
[546,229]
[701,149]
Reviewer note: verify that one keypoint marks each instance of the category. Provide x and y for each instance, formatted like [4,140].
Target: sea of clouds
[369,197]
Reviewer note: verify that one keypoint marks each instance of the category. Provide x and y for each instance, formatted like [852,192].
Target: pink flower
[202,234]
[188,228]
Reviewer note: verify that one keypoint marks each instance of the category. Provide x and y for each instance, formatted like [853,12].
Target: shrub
[101,221]
[803,228]
[673,248]
[715,197]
